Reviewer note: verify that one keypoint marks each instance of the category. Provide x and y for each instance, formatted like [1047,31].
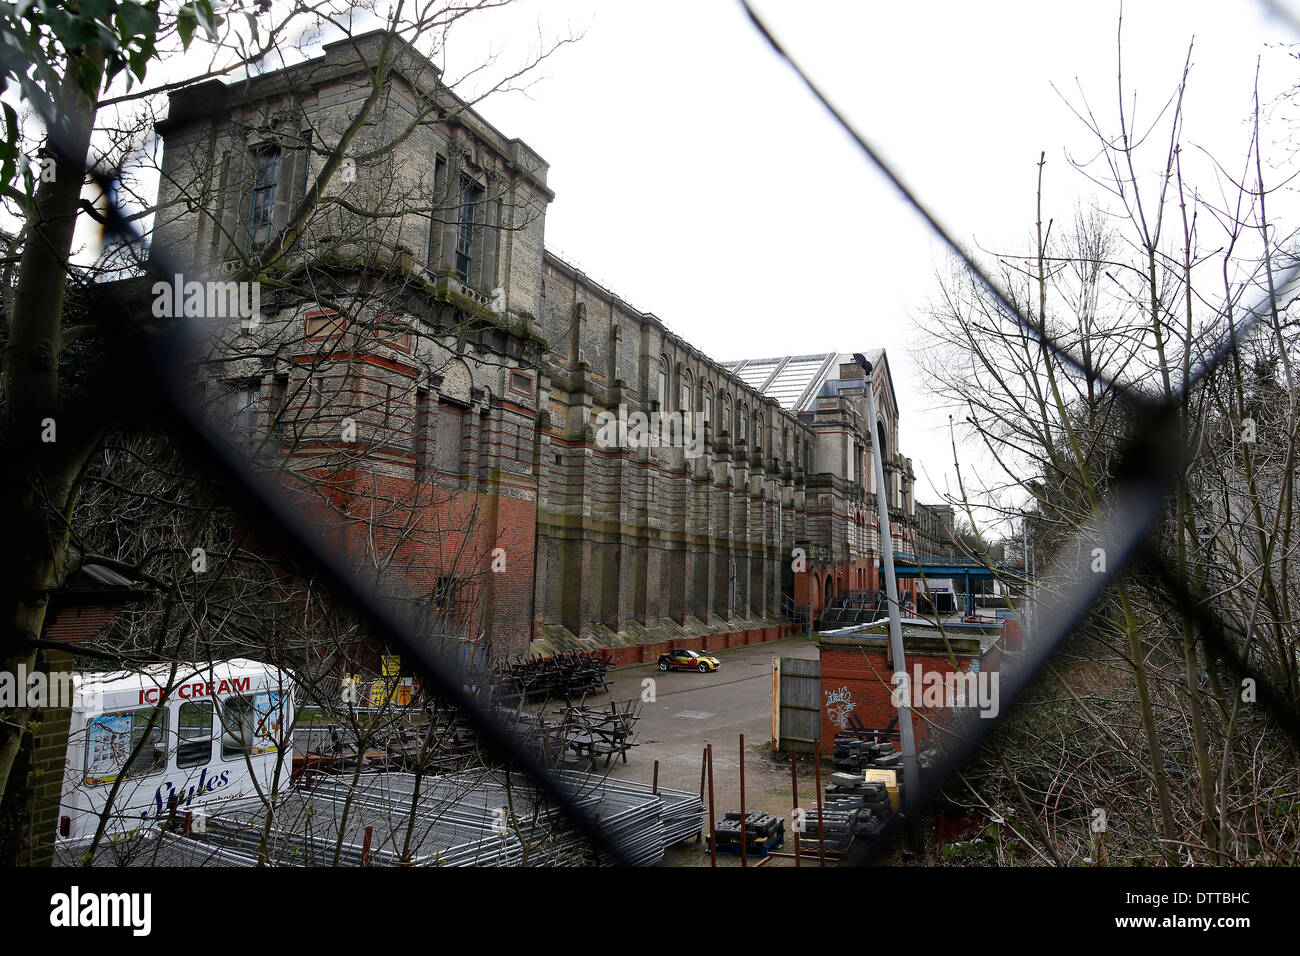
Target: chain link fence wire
[127,382]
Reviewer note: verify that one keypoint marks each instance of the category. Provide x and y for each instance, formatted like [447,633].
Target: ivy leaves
[100,39]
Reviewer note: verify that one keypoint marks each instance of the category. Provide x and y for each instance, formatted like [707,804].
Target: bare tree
[1141,745]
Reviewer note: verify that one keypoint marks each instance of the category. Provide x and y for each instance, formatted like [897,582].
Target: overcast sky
[697,178]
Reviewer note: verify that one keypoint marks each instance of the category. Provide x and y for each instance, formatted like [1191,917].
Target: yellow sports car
[688,661]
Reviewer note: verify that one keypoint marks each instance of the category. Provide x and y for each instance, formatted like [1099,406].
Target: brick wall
[856,679]
[45,778]
[426,532]
[649,653]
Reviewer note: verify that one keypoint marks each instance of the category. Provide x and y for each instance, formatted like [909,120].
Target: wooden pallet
[751,849]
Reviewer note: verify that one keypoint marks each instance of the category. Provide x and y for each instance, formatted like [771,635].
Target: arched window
[726,414]
[684,391]
[457,382]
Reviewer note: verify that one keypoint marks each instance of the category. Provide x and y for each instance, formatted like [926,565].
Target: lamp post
[911,772]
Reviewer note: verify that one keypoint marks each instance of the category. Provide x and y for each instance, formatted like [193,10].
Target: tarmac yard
[690,710]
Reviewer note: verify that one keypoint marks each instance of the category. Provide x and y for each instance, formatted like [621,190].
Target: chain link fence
[126,382]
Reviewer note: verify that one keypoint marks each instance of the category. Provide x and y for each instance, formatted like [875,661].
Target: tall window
[194,733]
[421,432]
[471,195]
[266,175]
[448,442]
[435,225]
[307,415]
[444,597]
[242,408]
[306,160]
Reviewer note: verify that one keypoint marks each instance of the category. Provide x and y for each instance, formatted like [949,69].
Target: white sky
[697,178]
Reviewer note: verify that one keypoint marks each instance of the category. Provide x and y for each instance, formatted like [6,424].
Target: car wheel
[704,668]
[663,665]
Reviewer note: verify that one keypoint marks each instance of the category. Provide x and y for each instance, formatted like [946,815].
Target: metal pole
[1024,559]
[776,704]
[911,774]
[1031,611]
[654,788]
[817,782]
[744,829]
[713,836]
[704,766]
[794,792]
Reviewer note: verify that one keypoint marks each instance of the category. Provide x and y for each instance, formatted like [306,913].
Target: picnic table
[594,733]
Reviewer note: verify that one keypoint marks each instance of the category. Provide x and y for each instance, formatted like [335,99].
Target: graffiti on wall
[839,704]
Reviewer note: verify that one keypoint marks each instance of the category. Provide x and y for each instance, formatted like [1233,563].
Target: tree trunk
[42,465]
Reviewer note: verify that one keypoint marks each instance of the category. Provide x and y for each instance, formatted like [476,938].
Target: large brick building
[448,383]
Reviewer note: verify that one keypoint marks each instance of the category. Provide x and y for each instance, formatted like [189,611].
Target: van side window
[250,725]
[194,734]
[236,727]
[112,738]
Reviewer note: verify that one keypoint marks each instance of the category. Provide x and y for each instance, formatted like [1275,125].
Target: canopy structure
[964,568]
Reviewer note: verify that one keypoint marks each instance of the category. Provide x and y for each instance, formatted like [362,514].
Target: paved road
[692,709]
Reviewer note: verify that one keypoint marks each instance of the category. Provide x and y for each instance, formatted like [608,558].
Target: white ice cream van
[223,731]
